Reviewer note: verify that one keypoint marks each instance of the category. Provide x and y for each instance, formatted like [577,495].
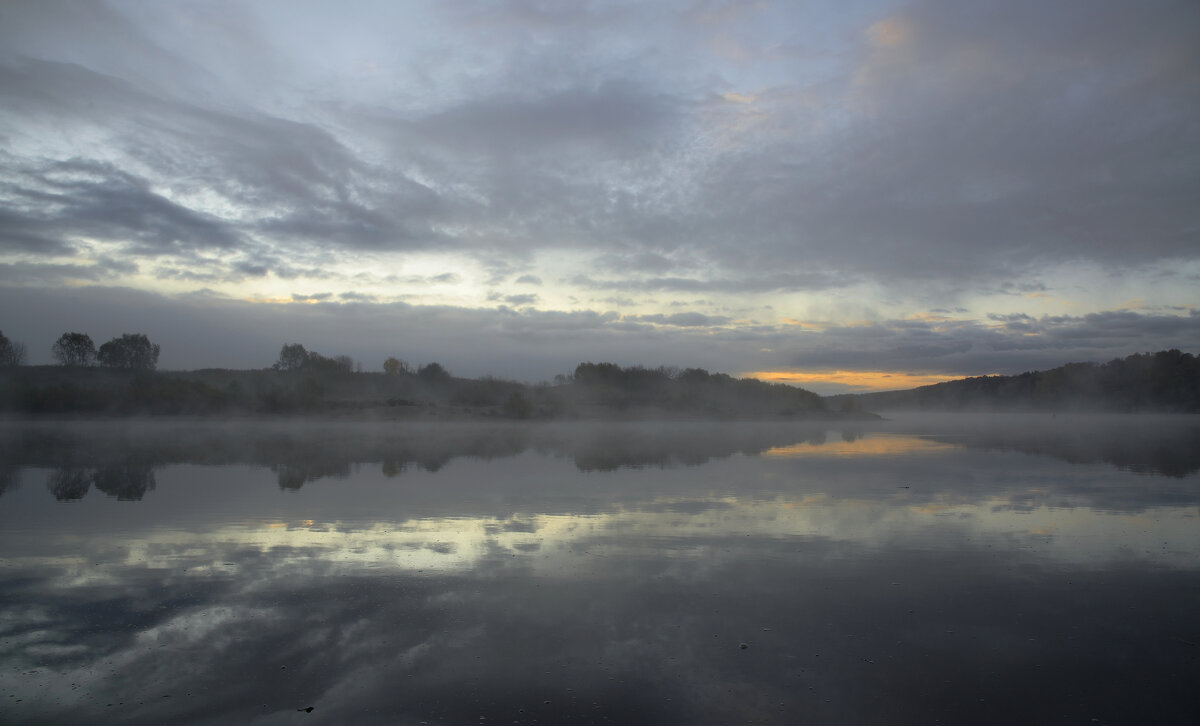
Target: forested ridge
[1166,381]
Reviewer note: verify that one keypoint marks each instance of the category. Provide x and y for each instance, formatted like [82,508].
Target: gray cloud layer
[684,147]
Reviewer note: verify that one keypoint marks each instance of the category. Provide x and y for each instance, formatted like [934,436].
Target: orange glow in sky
[857,380]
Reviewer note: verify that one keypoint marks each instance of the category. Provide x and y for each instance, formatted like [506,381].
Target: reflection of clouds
[375,623]
[564,545]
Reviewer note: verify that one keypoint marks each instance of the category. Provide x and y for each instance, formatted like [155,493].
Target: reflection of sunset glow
[859,380]
[867,446]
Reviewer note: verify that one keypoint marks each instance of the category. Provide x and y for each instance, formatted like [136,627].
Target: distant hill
[1167,381]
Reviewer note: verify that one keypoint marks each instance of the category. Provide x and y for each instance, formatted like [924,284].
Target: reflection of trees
[301,455]
[127,481]
[70,483]
[8,477]
[297,460]
[121,462]
[614,447]
[1153,445]
[294,474]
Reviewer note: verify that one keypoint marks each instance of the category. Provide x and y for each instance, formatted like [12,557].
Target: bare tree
[11,354]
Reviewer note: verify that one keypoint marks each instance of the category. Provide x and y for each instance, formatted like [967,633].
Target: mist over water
[1000,569]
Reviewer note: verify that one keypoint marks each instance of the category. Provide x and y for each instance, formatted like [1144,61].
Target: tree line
[688,391]
[295,358]
[120,378]
[132,351]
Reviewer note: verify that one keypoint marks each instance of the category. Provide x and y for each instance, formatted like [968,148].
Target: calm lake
[926,569]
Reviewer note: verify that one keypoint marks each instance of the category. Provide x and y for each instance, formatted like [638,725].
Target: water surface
[922,570]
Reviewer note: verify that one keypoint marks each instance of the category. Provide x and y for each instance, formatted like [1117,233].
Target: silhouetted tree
[74,349]
[592,374]
[292,357]
[132,351]
[11,354]
[321,365]
[433,372]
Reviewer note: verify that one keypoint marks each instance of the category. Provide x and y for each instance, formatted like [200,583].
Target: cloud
[357,297]
[315,297]
[954,156]
[984,152]
[1008,344]
[521,299]
[763,283]
[23,274]
[683,320]
[226,180]
[616,117]
[883,162]
[57,203]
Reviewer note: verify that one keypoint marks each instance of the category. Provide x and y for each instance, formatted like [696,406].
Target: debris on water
[743,646]
[306,710]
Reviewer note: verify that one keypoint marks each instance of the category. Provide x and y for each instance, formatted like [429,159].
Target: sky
[844,196]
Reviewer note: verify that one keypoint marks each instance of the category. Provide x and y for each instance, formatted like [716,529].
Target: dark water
[926,570]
